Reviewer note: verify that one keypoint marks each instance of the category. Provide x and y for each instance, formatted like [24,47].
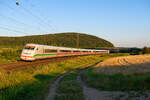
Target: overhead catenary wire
[15,20]
[40,19]
[39,22]
[18,28]
[49,22]
[12,30]
[12,19]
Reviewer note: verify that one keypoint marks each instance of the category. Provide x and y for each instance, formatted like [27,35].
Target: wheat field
[126,65]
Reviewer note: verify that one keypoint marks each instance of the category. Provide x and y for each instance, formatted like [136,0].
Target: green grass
[69,88]
[28,90]
[9,54]
[33,83]
[103,81]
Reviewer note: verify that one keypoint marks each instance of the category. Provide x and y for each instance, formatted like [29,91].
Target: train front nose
[26,55]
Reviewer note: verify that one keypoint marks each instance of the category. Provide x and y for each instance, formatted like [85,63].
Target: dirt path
[94,94]
[52,90]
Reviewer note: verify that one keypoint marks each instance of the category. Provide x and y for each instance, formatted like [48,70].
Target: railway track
[22,64]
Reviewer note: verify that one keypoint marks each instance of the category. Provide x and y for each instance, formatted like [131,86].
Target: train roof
[63,48]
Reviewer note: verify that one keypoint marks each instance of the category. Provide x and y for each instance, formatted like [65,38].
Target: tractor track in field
[89,93]
[22,64]
[52,90]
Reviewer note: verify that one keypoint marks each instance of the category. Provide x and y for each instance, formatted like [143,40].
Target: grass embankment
[33,83]
[117,82]
[120,76]
[10,54]
[69,88]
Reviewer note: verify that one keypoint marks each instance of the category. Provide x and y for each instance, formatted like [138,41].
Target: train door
[39,52]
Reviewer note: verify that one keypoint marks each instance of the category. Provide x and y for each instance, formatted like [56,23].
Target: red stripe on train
[26,56]
[67,53]
[75,53]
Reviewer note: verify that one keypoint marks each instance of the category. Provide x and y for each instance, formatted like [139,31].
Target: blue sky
[125,23]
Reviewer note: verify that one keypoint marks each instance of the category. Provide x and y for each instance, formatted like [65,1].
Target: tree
[146,50]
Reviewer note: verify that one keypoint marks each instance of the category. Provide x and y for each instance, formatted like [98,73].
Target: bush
[146,50]
[10,54]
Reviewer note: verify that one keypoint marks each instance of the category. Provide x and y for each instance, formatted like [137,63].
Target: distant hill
[59,39]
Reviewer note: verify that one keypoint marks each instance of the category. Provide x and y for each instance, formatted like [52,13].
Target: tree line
[146,50]
[59,39]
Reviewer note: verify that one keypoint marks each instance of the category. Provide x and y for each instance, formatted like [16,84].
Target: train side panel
[35,51]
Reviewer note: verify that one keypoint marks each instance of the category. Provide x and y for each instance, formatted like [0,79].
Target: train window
[102,51]
[26,47]
[76,51]
[65,50]
[29,47]
[49,50]
[84,51]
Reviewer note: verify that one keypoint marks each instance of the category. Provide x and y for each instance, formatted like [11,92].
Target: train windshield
[29,47]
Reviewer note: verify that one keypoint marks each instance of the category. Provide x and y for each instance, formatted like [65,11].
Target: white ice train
[33,52]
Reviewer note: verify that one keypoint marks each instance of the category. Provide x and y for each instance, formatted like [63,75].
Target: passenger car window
[76,51]
[65,50]
[49,50]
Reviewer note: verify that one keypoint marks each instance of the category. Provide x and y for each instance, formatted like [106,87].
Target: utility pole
[77,41]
